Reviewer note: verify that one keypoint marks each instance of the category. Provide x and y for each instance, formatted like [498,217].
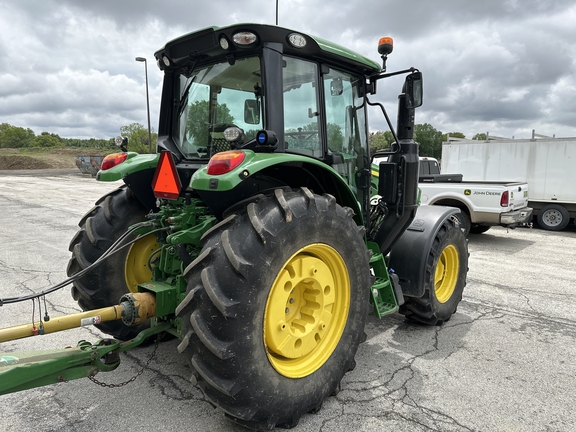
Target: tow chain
[140,372]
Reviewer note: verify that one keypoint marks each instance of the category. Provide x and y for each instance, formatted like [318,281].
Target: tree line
[19,137]
[428,138]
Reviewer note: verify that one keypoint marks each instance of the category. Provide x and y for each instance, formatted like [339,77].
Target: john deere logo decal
[467,192]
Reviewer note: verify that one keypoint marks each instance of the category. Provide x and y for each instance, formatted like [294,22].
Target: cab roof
[204,45]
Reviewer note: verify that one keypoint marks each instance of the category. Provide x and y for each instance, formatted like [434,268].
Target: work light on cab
[297,40]
[244,38]
[112,160]
[166,183]
[233,134]
[224,162]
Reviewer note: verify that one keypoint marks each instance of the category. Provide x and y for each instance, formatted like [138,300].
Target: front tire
[446,270]
[276,306]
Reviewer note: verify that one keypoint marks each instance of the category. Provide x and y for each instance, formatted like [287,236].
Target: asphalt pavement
[504,362]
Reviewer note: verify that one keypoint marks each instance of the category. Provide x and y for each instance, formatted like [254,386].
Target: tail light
[112,160]
[224,162]
[504,200]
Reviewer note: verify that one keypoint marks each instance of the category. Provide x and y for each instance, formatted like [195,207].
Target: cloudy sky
[498,66]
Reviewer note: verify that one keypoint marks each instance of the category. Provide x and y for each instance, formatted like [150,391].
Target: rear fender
[259,173]
[409,254]
[135,162]
[264,172]
[137,172]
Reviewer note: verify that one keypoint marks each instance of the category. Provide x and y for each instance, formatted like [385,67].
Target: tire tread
[220,314]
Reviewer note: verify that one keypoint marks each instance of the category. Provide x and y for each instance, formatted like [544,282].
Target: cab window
[213,98]
[345,123]
[300,86]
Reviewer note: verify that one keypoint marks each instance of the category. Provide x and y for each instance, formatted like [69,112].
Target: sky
[505,67]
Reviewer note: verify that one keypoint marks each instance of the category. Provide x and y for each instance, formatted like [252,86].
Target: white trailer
[548,165]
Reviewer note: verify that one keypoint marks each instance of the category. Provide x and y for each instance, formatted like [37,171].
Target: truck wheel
[553,217]
[464,221]
[479,229]
[112,215]
[275,307]
[446,270]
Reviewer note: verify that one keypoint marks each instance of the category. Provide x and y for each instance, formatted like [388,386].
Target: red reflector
[504,199]
[166,183]
[224,162]
[112,160]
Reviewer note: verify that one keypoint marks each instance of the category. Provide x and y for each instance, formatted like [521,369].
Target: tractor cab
[227,84]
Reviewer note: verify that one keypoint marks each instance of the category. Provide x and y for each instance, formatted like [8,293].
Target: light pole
[142,59]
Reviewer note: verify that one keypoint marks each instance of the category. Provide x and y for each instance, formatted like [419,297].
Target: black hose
[114,248]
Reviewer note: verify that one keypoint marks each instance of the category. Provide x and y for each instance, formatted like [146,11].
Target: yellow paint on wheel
[137,269]
[307,310]
[446,275]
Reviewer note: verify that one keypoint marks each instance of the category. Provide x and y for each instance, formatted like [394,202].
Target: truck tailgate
[518,195]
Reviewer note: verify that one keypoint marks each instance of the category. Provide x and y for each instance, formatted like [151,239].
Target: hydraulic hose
[113,249]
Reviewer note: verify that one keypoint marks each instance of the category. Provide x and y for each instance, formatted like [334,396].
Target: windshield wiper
[184,99]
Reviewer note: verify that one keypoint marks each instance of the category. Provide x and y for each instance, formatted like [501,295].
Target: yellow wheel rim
[306,311]
[446,275]
[136,268]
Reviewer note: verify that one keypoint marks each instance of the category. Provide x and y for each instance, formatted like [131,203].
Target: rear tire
[276,306]
[111,217]
[446,270]
[464,221]
[479,229]
[553,217]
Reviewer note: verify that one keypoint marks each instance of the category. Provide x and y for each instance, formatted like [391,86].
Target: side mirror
[252,111]
[413,90]
[336,87]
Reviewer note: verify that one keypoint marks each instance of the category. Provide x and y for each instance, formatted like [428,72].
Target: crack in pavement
[396,390]
[538,291]
[473,303]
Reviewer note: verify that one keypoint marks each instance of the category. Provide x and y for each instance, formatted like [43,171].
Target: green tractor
[261,229]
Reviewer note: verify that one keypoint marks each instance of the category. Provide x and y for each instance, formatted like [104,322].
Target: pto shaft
[133,309]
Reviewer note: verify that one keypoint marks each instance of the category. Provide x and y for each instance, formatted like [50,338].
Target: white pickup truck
[547,164]
[482,204]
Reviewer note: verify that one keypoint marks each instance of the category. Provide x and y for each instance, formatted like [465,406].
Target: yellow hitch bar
[134,308]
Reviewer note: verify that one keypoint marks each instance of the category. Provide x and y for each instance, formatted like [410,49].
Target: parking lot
[504,362]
